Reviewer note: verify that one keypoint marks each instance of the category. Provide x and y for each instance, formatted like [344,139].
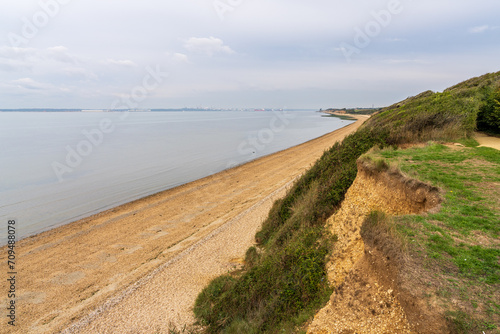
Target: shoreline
[112,202]
[150,196]
[71,270]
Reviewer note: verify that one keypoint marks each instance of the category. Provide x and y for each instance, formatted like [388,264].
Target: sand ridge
[71,272]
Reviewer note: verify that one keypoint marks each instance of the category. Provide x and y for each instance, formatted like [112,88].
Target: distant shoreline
[152,110]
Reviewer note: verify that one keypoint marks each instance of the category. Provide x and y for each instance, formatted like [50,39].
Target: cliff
[364,268]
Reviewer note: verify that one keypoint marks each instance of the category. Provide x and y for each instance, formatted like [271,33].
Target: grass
[355,111]
[284,279]
[173,329]
[452,114]
[343,117]
[293,278]
[459,245]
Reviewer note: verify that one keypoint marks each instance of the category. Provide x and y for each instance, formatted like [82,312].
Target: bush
[285,281]
[488,118]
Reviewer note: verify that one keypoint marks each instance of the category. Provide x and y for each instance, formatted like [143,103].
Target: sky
[112,54]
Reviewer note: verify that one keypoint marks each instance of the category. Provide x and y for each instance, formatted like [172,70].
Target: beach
[138,267]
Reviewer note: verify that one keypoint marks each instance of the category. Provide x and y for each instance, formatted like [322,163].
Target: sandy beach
[138,267]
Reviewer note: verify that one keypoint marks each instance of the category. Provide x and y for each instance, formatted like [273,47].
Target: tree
[488,117]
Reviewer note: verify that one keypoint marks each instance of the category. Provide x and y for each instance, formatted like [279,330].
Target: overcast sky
[100,54]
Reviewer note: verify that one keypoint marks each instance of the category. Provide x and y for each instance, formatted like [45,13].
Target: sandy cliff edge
[367,295]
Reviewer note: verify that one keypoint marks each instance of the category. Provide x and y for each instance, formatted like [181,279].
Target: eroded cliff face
[367,288]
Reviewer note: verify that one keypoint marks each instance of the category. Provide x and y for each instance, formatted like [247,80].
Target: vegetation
[488,118]
[343,117]
[284,282]
[451,114]
[284,279]
[356,111]
[173,329]
[459,245]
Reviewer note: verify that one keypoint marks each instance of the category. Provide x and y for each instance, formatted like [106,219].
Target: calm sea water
[59,167]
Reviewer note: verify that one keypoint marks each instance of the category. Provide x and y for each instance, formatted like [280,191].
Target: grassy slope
[284,281]
[457,249]
[447,115]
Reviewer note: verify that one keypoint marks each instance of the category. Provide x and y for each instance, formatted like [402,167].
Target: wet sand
[138,267]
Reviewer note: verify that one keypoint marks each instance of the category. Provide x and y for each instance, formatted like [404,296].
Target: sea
[58,167]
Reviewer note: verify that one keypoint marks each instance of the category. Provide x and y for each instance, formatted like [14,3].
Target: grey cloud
[125,62]
[29,83]
[60,53]
[207,45]
[97,48]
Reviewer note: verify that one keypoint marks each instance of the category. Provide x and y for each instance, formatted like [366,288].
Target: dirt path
[488,141]
[139,266]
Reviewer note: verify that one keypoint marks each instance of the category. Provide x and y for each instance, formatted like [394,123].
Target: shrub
[488,118]
[285,281]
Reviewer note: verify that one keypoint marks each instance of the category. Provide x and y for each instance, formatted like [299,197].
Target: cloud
[481,29]
[395,40]
[15,52]
[263,40]
[478,29]
[208,46]
[80,73]
[35,60]
[29,83]
[14,59]
[128,63]
[14,65]
[60,53]
[180,58]
[406,61]
[177,58]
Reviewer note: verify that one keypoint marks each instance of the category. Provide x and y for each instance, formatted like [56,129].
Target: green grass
[468,142]
[343,117]
[462,174]
[460,242]
[356,111]
[452,114]
[284,280]
[465,323]
[293,277]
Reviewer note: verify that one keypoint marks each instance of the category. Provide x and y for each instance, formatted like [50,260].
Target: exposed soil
[365,265]
[140,266]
